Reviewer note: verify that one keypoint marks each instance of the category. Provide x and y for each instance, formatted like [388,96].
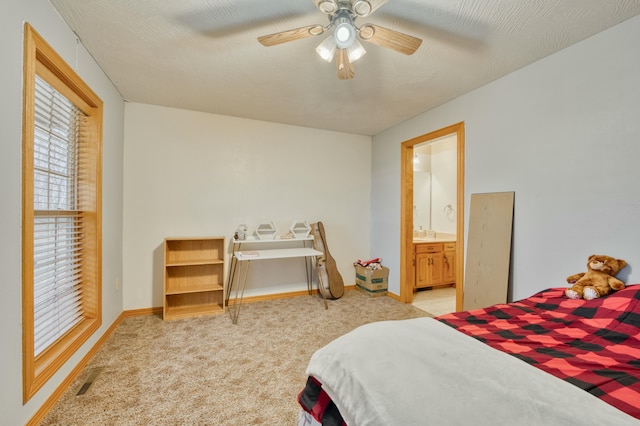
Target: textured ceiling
[203,55]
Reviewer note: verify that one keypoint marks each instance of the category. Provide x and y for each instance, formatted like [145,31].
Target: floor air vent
[93,373]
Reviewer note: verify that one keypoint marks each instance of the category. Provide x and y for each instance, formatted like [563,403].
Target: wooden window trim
[41,59]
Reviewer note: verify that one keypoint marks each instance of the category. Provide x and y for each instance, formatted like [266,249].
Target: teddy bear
[598,281]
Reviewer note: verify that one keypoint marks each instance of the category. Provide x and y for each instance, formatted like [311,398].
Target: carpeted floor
[207,371]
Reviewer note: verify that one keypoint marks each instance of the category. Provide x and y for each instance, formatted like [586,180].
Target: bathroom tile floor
[436,301]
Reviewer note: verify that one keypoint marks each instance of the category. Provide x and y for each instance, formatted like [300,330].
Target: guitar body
[330,283]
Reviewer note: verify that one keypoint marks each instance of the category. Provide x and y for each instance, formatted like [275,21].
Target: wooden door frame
[407,274]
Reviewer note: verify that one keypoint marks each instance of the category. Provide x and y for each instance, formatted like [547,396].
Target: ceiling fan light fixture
[355,51]
[327,49]
[345,32]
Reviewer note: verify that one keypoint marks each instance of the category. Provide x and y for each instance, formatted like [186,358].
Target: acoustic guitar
[330,283]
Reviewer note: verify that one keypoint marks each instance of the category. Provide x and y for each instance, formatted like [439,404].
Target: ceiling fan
[343,43]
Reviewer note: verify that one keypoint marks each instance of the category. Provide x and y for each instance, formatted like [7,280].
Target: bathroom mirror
[435,186]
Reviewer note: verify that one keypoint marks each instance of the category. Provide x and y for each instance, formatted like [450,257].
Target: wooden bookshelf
[193,277]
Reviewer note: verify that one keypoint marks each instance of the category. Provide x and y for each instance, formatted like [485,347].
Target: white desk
[241,260]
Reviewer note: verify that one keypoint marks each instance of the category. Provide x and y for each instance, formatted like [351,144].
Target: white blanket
[422,372]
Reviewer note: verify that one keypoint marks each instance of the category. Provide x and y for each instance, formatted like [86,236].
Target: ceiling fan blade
[290,35]
[345,68]
[390,39]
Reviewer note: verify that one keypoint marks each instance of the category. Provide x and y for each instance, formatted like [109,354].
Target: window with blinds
[57,228]
[62,213]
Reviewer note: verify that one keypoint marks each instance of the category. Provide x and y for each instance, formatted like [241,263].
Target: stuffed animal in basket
[598,281]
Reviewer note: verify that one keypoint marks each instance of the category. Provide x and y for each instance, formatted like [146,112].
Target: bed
[544,360]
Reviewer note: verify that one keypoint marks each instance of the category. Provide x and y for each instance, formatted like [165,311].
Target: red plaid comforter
[594,344]
[315,401]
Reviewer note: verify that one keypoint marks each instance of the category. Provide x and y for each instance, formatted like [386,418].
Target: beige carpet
[207,371]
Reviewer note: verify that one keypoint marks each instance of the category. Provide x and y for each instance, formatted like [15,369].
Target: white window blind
[57,219]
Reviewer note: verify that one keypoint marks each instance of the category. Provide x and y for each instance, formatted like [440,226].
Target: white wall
[563,133]
[196,174]
[13,14]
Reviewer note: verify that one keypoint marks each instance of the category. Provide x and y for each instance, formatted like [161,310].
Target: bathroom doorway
[411,150]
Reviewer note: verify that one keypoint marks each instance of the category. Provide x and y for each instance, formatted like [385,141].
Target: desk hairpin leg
[308,264]
[242,281]
[232,270]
